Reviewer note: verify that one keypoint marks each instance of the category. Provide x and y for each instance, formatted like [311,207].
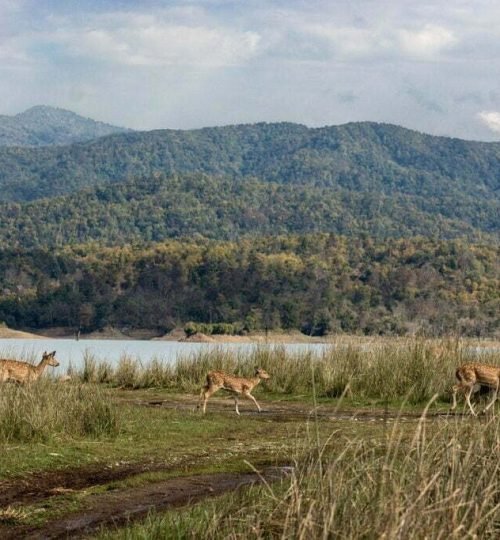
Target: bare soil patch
[198,338]
[39,486]
[119,507]
[8,333]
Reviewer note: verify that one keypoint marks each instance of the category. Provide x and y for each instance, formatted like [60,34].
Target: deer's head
[50,359]
[262,373]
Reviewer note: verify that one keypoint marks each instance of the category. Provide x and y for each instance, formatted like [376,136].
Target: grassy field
[362,436]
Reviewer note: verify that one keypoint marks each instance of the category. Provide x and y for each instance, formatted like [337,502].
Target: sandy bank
[7,333]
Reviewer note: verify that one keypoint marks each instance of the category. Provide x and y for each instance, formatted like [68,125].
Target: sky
[433,66]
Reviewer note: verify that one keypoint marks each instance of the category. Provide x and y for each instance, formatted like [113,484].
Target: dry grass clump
[39,411]
[13,516]
[439,485]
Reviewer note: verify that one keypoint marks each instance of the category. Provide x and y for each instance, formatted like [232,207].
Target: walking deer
[23,372]
[471,377]
[237,385]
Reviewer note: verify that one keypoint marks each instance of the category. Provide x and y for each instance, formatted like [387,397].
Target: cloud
[490,119]
[424,100]
[11,6]
[355,40]
[428,41]
[474,98]
[165,45]
[140,40]
[347,97]
[175,37]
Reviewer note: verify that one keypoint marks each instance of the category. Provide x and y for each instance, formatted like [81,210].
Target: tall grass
[45,409]
[412,369]
[432,482]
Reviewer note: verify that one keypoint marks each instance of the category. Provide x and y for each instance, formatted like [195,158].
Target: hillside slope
[157,208]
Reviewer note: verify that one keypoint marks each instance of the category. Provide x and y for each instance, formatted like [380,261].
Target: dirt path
[117,508]
[280,411]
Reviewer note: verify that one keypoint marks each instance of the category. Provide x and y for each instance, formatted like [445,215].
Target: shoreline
[276,337]
[176,335]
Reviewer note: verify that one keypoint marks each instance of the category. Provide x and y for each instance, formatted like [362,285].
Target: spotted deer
[23,372]
[471,377]
[237,385]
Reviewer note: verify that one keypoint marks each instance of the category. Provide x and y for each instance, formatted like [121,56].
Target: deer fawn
[23,372]
[237,385]
[471,377]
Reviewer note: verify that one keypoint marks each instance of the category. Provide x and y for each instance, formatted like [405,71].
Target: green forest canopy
[158,208]
[452,178]
[318,283]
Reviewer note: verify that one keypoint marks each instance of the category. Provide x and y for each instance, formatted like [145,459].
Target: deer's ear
[44,353]
[53,353]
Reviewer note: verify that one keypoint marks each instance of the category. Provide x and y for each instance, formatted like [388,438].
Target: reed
[156,374]
[128,372]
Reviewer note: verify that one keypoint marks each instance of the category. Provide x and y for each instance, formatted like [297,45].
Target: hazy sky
[431,66]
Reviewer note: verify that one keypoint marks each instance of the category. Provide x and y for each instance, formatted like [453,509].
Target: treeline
[317,283]
[159,207]
[449,178]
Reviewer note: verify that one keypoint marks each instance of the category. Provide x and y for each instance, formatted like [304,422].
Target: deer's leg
[206,393]
[249,395]
[201,397]
[236,404]
[455,388]
[467,397]
[494,397]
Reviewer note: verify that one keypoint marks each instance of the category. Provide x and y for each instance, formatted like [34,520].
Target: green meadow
[363,435]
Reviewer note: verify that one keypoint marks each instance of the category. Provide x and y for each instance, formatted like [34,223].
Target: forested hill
[42,125]
[157,208]
[356,167]
[358,156]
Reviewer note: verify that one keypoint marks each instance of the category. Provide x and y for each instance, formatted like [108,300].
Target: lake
[72,352]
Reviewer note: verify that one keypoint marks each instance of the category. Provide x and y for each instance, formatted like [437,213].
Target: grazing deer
[471,377]
[23,372]
[237,385]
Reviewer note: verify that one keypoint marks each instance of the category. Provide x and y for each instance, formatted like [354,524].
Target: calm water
[70,351]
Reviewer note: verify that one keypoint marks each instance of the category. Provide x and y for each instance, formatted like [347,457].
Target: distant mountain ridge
[359,177]
[42,125]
